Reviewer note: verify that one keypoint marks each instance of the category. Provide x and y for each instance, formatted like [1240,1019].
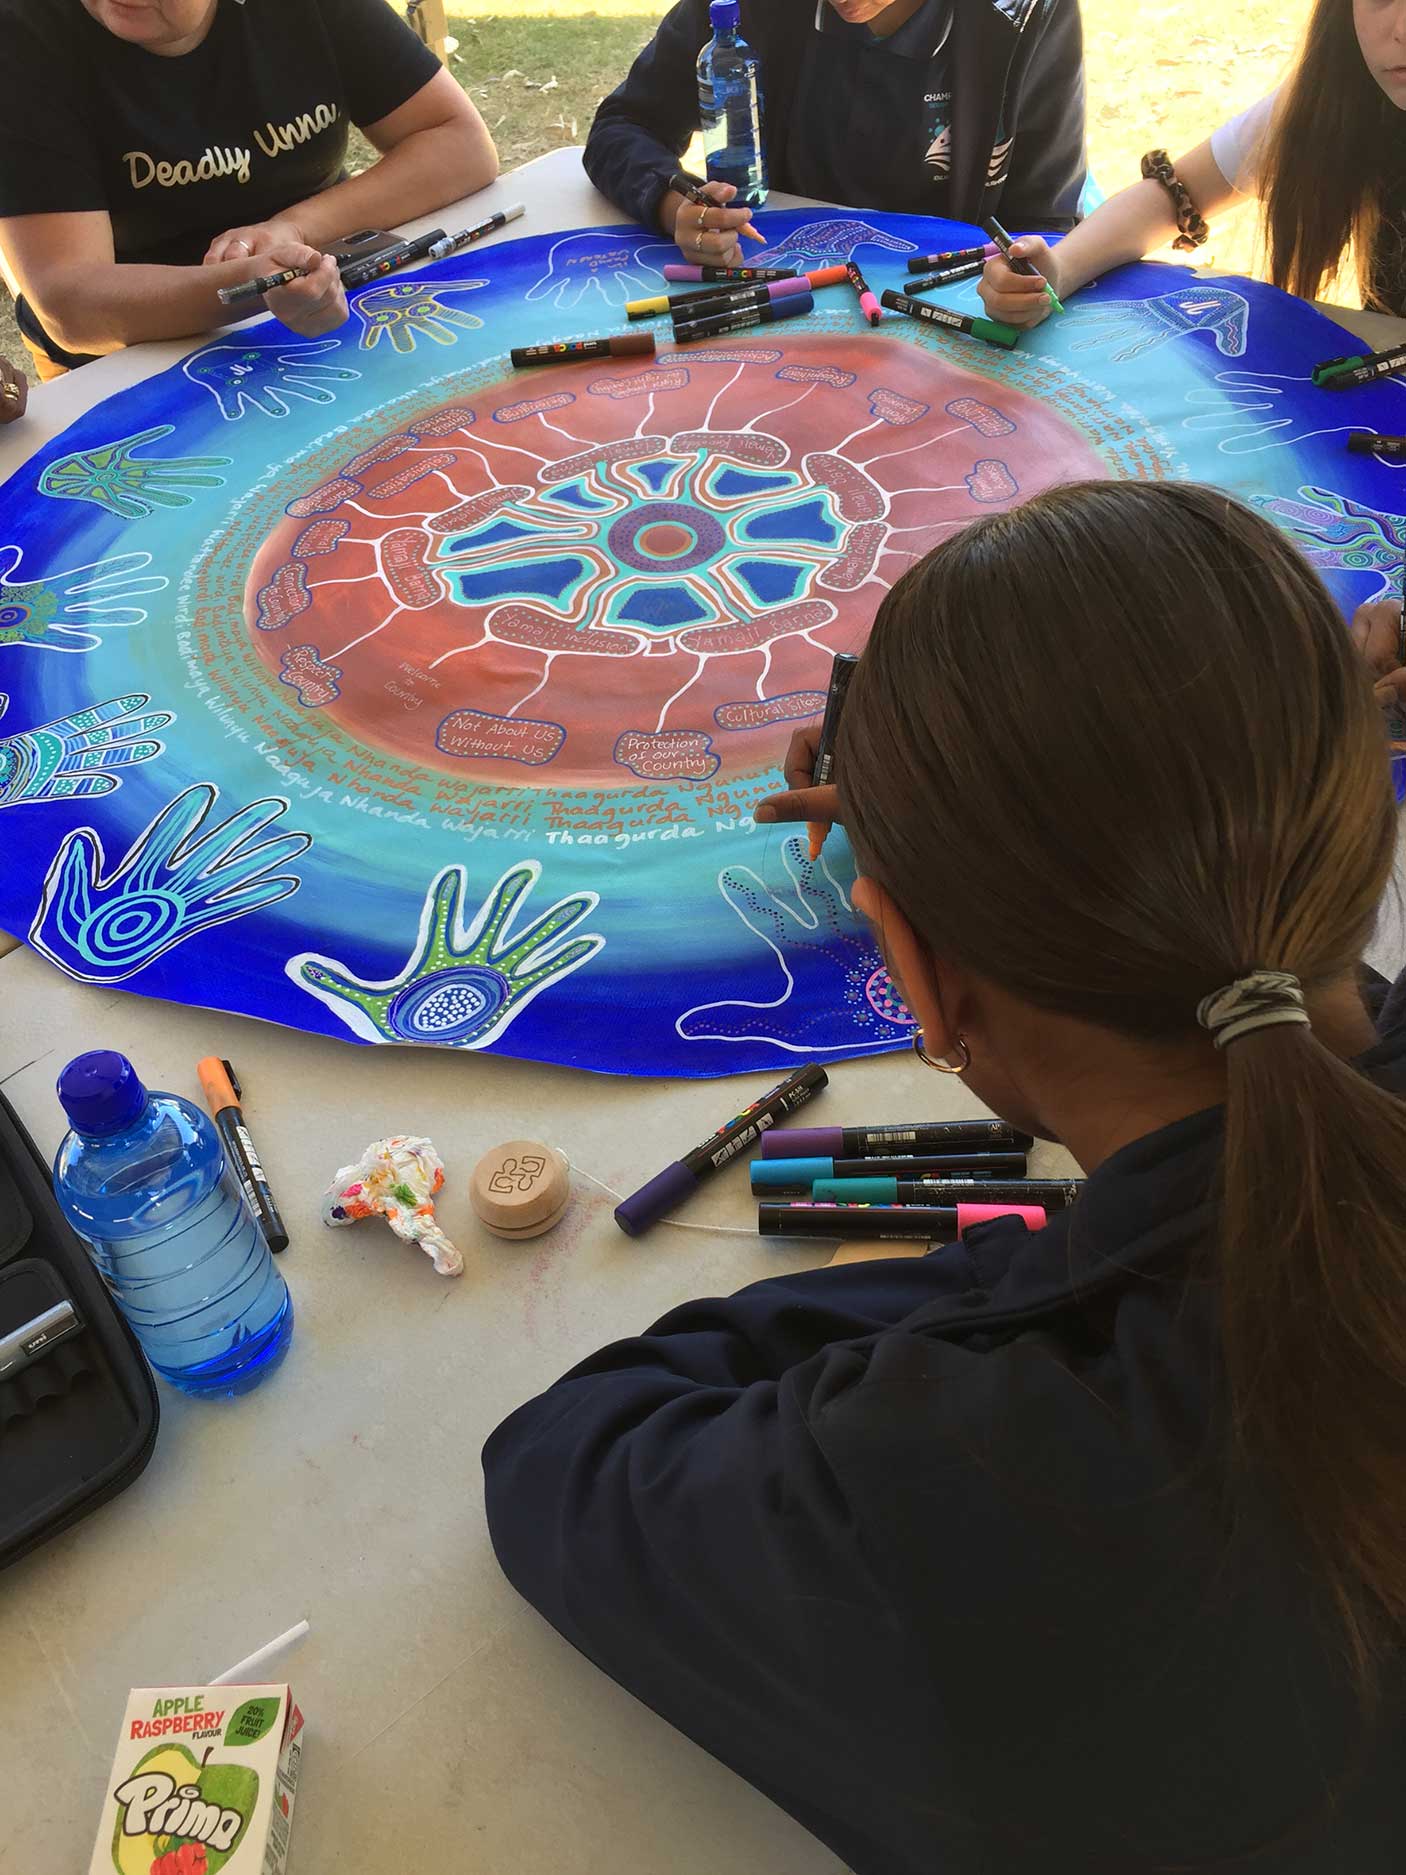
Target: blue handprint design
[832,241]
[178,878]
[463,983]
[1341,535]
[78,755]
[413,309]
[1136,326]
[616,269]
[1249,407]
[65,611]
[811,929]
[112,477]
[263,377]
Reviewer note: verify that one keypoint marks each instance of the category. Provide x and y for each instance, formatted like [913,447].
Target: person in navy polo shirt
[961,108]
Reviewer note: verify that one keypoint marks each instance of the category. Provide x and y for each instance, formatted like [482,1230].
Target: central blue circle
[450,1005]
[708,536]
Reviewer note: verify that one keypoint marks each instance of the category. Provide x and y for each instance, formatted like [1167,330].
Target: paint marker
[362,271]
[646,1206]
[950,276]
[883,1220]
[900,1138]
[954,257]
[868,305]
[828,276]
[690,187]
[575,351]
[1053,1193]
[719,289]
[686,270]
[31,1341]
[1367,443]
[715,299]
[823,768]
[988,329]
[1018,264]
[452,243]
[796,306]
[797,1178]
[220,1086]
[252,289]
[1340,374]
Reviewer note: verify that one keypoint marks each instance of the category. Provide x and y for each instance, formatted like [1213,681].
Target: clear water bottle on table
[143,1180]
[730,108]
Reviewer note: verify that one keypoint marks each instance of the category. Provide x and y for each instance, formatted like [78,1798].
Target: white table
[448,1727]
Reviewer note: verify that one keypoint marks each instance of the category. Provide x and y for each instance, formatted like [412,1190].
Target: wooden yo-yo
[521,1189]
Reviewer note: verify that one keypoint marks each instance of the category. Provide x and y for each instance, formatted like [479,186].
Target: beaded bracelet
[1194,230]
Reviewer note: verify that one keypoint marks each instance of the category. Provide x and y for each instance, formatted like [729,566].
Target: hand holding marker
[1017,263]
[692,190]
[823,773]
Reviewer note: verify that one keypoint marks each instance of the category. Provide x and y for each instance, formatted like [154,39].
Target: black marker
[31,1341]
[360,271]
[1027,267]
[251,289]
[954,257]
[1340,374]
[949,276]
[574,351]
[452,243]
[1368,443]
[646,1206]
[922,1222]
[991,330]
[797,1178]
[823,768]
[222,1091]
[742,318]
[887,1142]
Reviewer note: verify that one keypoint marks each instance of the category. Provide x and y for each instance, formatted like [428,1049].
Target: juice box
[203,1781]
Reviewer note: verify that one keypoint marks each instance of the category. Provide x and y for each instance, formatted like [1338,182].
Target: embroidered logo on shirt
[999,163]
[939,155]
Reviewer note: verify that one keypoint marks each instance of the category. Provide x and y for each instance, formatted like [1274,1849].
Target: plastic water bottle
[730,108]
[143,1180]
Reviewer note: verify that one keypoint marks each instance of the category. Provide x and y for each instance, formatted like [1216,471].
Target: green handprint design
[77,755]
[463,984]
[412,309]
[111,477]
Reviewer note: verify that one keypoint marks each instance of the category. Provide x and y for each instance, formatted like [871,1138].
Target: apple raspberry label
[203,1781]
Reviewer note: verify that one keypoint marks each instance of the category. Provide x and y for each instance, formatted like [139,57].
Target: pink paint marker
[868,305]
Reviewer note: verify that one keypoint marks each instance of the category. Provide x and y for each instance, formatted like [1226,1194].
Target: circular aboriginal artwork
[366,685]
[637,578]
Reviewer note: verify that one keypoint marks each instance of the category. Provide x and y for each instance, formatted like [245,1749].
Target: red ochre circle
[349,609]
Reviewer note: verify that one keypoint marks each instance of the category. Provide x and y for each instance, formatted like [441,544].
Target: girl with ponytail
[1078,1551]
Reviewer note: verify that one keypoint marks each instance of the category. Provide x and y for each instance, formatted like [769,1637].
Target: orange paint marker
[841,671]
[829,276]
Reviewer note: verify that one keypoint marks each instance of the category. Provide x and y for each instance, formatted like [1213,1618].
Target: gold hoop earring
[942,1067]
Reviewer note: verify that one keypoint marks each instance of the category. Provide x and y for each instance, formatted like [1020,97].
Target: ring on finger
[245,245]
[11,392]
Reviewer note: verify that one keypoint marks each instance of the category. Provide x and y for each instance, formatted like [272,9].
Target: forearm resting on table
[424,171]
[100,308]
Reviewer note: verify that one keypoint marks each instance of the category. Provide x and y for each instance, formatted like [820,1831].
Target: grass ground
[1166,76]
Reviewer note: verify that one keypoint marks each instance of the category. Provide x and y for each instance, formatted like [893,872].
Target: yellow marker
[647,308]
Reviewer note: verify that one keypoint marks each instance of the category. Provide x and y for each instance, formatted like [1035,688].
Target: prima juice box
[203,1781]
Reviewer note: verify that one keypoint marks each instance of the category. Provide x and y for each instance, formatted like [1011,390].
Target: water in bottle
[730,108]
[143,1180]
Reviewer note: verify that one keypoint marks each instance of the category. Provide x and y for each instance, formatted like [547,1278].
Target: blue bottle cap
[723,14]
[101,1093]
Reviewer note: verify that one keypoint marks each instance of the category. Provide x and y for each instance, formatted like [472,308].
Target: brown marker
[572,351]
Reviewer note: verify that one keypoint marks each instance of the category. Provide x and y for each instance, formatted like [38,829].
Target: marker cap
[805,1142]
[969,1214]
[646,1206]
[778,1174]
[627,344]
[827,276]
[849,1190]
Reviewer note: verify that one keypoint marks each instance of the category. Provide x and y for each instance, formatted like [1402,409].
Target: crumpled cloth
[397,1179]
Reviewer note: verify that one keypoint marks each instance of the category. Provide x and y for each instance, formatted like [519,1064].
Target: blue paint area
[193,869]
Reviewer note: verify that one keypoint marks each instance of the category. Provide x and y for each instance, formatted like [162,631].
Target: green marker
[990,330]
[1014,262]
[1337,374]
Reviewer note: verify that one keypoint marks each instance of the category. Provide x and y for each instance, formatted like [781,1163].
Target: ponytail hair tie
[1258,1001]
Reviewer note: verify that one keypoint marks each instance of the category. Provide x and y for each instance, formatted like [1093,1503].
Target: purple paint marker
[887,1142]
[636,1213]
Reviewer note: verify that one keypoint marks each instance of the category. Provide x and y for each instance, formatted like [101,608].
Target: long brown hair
[1135,707]
[1327,160]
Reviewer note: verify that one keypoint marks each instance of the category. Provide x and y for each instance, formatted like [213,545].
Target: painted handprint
[464,982]
[414,309]
[1136,326]
[616,269]
[828,967]
[65,611]
[80,754]
[178,878]
[1250,409]
[112,477]
[832,241]
[1341,535]
[263,377]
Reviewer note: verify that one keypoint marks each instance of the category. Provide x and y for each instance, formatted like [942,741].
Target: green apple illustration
[231,1786]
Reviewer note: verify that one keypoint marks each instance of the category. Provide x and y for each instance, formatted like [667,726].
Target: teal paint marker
[1053,1193]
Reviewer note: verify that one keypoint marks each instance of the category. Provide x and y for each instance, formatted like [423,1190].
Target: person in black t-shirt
[962,108]
[152,151]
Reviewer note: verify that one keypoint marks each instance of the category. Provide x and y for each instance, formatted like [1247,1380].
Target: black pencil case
[78,1423]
